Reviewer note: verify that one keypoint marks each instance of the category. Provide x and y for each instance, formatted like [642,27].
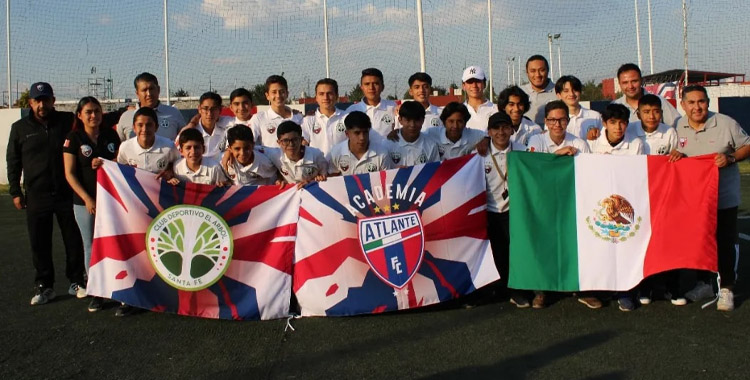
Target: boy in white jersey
[614,140]
[514,101]
[357,154]
[211,126]
[454,139]
[380,111]
[557,140]
[568,89]
[413,147]
[241,104]
[264,123]
[247,167]
[326,128]
[420,89]
[147,150]
[474,82]
[659,138]
[193,167]
[297,163]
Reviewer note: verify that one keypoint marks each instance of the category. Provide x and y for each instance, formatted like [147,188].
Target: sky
[224,44]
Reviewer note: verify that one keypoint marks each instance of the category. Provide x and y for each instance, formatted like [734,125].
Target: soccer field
[494,340]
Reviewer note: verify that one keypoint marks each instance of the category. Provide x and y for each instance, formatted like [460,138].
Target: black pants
[726,242]
[499,234]
[39,212]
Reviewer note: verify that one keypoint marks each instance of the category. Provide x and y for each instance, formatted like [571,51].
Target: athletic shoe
[124,310]
[77,290]
[726,300]
[520,301]
[96,304]
[700,291]
[626,304]
[42,296]
[590,302]
[645,298]
[538,302]
[679,301]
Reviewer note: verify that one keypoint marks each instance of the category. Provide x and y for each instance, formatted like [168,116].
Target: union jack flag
[167,248]
[393,240]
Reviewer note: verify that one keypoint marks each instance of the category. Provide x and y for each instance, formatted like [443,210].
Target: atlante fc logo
[393,246]
[190,247]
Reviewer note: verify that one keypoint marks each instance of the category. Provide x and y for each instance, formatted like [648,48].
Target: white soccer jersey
[153,159]
[449,149]
[586,119]
[629,146]
[423,150]
[526,129]
[260,172]
[544,144]
[497,186]
[215,143]
[669,113]
[382,115]
[312,164]
[659,142]
[481,116]
[323,132]
[170,122]
[342,160]
[209,173]
[431,118]
[264,126]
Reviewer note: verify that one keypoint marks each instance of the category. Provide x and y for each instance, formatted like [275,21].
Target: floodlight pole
[559,57]
[420,25]
[650,39]
[166,54]
[325,37]
[551,70]
[685,38]
[489,28]
[7,46]
[638,35]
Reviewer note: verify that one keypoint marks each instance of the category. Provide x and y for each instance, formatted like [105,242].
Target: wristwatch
[731,158]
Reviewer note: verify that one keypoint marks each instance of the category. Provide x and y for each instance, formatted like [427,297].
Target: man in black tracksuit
[35,147]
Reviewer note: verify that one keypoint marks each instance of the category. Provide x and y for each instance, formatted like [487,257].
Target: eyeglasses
[291,141]
[563,121]
[210,109]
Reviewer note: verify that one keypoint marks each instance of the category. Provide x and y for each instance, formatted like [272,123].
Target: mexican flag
[603,222]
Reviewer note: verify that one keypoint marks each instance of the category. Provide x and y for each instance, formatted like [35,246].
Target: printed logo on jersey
[86,150]
[344,164]
[395,157]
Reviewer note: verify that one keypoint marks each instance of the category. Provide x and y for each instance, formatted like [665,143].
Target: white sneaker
[77,290]
[679,301]
[726,300]
[644,300]
[42,296]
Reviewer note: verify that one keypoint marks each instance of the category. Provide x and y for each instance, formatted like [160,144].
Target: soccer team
[59,153]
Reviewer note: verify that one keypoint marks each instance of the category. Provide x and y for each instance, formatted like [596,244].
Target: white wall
[7,117]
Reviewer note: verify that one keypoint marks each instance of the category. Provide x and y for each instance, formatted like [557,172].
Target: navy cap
[498,119]
[40,89]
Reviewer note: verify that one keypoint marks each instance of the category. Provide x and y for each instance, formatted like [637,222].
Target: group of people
[59,154]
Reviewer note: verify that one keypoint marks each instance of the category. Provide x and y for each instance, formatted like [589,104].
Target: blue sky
[230,43]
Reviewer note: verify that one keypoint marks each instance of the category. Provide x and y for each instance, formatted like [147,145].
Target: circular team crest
[371,167]
[163,123]
[111,147]
[161,164]
[434,122]
[308,171]
[487,167]
[387,119]
[614,220]
[422,158]
[340,127]
[395,157]
[86,150]
[271,128]
[317,129]
[190,247]
[663,150]
[343,164]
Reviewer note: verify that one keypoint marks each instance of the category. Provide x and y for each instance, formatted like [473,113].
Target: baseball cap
[473,72]
[40,89]
[498,119]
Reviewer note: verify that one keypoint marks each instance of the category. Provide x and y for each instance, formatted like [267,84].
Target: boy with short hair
[241,104]
[147,150]
[557,140]
[326,127]
[297,163]
[264,124]
[420,89]
[659,138]
[413,147]
[213,130]
[357,154]
[515,103]
[380,111]
[613,139]
[247,167]
[193,167]
[454,139]
[568,89]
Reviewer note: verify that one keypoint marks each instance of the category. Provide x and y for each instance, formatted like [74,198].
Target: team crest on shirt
[441,150]
[270,128]
[161,164]
[422,158]
[284,171]
[317,129]
[344,164]
[371,167]
[683,142]
[395,157]
[487,167]
[340,127]
[663,150]
[531,149]
[614,220]
[387,119]
[86,150]
[308,171]
[111,147]
[163,123]
[434,122]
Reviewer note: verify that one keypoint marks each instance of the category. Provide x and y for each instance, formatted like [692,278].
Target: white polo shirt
[260,172]
[526,129]
[342,160]
[497,185]
[669,113]
[312,164]
[153,159]
[323,132]
[264,126]
[630,145]
[539,100]
[209,173]
[215,143]
[586,119]
[449,149]
[659,142]
[543,143]
[423,150]
[431,118]
[382,115]
[481,116]
[170,122]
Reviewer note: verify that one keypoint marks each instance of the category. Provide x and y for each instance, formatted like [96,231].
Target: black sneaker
[43,295]
[96,304]
[124,310]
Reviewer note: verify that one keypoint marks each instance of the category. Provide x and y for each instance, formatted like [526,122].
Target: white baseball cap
[473,72]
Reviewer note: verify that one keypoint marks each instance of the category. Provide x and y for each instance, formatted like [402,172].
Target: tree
[355,94]
[23,100]
[592,92]
[181,93]
[259,94]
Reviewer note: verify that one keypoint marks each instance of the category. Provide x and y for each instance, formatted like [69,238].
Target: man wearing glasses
[147,90]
